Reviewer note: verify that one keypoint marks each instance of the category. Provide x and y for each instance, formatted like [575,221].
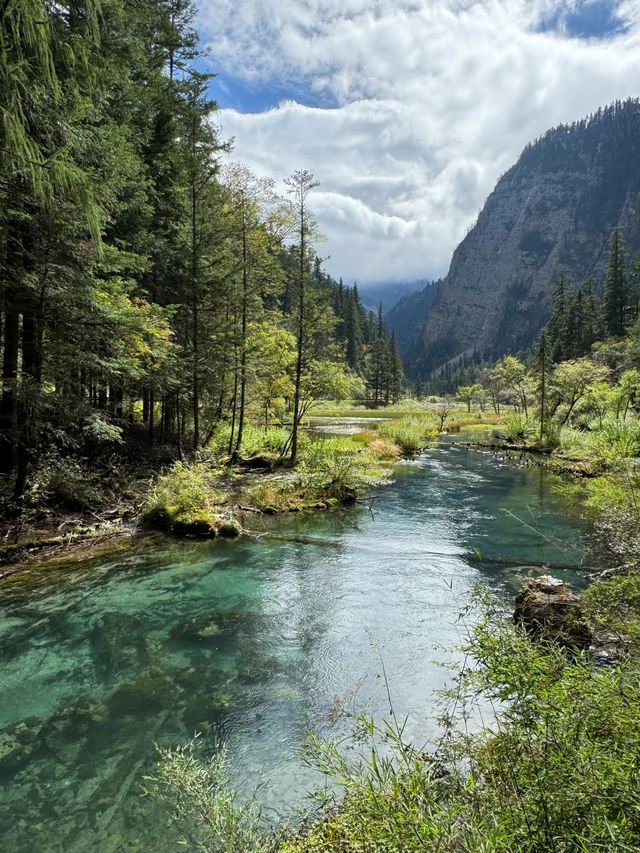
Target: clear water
[249,642]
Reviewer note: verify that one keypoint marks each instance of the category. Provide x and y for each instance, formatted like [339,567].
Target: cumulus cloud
[429,101]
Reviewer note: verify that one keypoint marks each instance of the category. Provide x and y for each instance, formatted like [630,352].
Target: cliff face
[408,314]
[551,212]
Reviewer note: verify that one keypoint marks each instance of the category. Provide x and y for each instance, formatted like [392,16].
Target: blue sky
[408,111]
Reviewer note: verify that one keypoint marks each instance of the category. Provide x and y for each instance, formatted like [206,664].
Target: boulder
[549,610]
[229,528]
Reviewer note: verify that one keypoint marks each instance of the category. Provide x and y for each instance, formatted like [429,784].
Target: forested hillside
[552,212]
[408,315]
[150,289]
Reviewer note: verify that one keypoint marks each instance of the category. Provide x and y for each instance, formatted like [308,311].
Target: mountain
[551,212]
[408,315]
[386,293]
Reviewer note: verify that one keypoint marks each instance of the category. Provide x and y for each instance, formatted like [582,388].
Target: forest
[153,289]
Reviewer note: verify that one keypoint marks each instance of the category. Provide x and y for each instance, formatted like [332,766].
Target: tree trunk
[243,332]
[28,427]
[9,379]
[298,384]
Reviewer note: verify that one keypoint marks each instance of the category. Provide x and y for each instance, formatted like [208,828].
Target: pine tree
[614,291]
[396,369]
[353,331]
[543,366]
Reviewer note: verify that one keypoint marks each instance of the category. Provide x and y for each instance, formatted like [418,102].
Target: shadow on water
[250,643]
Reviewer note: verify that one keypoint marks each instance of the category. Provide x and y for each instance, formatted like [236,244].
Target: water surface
[252,643]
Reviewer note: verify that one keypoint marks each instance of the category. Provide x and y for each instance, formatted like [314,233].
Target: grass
[186,499]
[410,433]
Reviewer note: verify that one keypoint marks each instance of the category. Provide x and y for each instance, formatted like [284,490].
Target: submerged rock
[549,610]
[147,694]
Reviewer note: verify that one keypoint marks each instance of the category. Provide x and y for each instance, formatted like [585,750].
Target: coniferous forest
[152,288]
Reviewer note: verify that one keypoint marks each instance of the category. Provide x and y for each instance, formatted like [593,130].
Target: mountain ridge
[551,212]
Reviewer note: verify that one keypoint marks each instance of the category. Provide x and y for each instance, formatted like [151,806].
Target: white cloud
[434,100]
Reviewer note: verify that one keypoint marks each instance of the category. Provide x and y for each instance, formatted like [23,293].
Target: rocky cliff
[551,212]
[408,314]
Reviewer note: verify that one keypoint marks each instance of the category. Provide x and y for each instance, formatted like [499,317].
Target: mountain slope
[408,315]
[551,212]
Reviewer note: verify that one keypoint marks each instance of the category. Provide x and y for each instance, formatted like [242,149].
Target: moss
[229,528]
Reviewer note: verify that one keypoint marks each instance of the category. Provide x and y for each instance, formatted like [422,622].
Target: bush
[520,429]
[617,439]
[184,495]
[410,433]
[67,482]
[256,441]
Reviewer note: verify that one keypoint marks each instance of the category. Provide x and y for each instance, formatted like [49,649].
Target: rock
[147,694]
[11,751]
[608,648]
[549,610]
[214,628]
[229,528]
[116,641]
[200,527]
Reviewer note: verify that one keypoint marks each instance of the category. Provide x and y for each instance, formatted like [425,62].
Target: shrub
[256,441]
[185,494]
[617,439]
[410,433]
[67,482]
[520,429]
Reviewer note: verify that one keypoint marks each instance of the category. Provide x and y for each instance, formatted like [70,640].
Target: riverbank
[212,494]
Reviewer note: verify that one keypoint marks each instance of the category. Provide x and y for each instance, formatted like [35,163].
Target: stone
[549,610]
[147,694]
[200,527]
[229,528]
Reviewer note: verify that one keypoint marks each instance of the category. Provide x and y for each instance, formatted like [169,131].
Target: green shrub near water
[256,441]
[186,494]
[410,433]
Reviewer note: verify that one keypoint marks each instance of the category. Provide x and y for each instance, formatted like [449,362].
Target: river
[252,643]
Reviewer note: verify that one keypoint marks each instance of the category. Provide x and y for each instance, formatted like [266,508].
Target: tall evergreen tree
[614,291]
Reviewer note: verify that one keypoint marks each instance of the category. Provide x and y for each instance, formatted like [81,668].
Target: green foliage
[65,481]
[519,428]
[185,494]
[204,804]
[617,439]
[256,441]
[411,433]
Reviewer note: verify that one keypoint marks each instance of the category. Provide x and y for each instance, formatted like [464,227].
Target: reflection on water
[248,642]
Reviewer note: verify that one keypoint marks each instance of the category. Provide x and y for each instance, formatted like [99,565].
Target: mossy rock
[158,518]
[78,717]
[229,528]
[200,527]
[147,694]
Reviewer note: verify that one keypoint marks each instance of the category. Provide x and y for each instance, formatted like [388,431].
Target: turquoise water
[252,643]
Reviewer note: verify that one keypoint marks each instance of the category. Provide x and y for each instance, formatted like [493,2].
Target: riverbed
[251,643]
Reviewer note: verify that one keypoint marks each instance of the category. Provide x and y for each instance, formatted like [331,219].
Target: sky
[407,111]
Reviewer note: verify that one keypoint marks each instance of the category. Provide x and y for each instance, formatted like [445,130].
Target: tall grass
[410,433]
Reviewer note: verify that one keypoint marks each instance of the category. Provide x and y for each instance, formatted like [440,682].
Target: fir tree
[614,291]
